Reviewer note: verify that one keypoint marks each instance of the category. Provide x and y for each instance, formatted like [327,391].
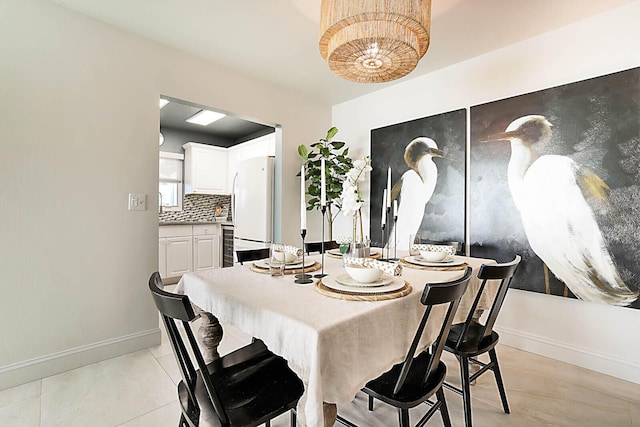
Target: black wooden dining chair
[252,254]
[247,387]
[310,247]
[418,378]
[472,338]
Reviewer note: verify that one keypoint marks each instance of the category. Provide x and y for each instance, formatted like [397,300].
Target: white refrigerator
[252,203]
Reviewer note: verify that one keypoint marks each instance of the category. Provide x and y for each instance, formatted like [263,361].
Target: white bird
[553,195]
[414,188]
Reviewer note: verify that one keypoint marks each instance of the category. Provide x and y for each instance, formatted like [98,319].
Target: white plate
[330,282]
[447,262]
[264,263]
[335,252]
[345,279]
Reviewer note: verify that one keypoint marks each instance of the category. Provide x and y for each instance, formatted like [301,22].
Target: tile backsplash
[199,207]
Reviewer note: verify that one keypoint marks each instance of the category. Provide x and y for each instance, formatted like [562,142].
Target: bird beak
[502,136]
[435,152]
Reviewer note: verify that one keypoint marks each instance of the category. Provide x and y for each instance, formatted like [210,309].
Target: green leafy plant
[337,164]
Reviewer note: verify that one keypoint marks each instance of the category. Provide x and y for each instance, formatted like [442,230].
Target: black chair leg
[404,417]
[293,418]
[267,424]
[444,411]
[496,373]
[466,389]
[370,403]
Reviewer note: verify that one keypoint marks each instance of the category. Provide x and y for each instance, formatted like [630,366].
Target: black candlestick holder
[321,275]
[395,238]
[388,232]
[382,228]
[303,277]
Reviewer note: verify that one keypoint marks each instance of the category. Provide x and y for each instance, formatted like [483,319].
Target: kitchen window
[170,181]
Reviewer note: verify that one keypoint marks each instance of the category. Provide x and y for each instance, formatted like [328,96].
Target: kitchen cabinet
[205,169]
[185,248]
[206,247]
[175,250]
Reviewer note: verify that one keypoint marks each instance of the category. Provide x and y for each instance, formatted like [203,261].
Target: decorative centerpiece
[352,205]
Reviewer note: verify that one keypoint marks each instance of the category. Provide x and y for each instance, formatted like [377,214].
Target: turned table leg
[209,335]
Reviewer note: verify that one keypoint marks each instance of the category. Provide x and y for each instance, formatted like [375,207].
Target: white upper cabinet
[205,169]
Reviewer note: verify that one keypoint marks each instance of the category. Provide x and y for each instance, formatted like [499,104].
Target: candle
[303,207]
[323,185]
[395,209]
[388,201]
[384,207]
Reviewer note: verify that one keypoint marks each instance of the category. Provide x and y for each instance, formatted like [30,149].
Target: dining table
[335,343]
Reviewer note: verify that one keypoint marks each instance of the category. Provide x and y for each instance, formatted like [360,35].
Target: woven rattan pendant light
[371,41]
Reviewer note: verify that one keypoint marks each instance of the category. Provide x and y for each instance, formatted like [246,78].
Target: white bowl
[363,274]
[287,257]
[433,256]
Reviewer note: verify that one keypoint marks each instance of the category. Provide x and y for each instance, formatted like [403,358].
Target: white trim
[625,369]
[55,363]
[169,155]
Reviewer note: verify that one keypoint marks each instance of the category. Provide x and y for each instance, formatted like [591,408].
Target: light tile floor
[138,390]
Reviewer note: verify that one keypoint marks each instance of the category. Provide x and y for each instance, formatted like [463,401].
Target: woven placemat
[355,296]
[408,264]
[376,255]
[315,267]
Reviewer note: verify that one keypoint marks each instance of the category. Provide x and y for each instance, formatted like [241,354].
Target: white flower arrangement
[351,198]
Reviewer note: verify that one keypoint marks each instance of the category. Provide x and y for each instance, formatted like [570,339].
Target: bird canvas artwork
[426,157]
[559,169]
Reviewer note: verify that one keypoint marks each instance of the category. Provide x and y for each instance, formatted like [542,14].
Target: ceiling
[231,128]
[277,40]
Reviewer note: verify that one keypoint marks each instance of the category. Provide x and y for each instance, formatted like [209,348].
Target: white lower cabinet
[206,247]
[179,255]
[175,250]
[185,248]
[206,252]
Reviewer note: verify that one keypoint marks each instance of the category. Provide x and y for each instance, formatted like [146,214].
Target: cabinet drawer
[175,231]
[206,229]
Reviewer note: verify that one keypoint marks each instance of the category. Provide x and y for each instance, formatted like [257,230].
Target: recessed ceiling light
[205,117]
[163,102]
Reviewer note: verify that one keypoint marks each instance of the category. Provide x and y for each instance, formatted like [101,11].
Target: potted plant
[337,164]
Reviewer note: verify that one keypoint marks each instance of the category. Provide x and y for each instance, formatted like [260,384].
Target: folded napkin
[434,248]
[288,249]
[390,268]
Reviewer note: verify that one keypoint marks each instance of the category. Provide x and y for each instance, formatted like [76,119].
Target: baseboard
[55,363]
[628,370]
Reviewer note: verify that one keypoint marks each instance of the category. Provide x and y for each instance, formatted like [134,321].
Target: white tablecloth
[335,346]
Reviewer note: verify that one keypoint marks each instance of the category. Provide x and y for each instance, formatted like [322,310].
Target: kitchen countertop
[225,222]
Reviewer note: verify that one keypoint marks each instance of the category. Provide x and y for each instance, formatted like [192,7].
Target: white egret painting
[427,161]
[555,177]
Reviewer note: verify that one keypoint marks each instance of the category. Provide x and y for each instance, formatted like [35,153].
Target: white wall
[597,337]
[79,130]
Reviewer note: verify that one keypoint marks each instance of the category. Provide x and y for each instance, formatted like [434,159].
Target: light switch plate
[137,201]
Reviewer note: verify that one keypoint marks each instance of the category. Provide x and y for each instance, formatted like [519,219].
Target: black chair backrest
[174,308]
[435,294]
[252,254]
[317,246]
[503,272]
